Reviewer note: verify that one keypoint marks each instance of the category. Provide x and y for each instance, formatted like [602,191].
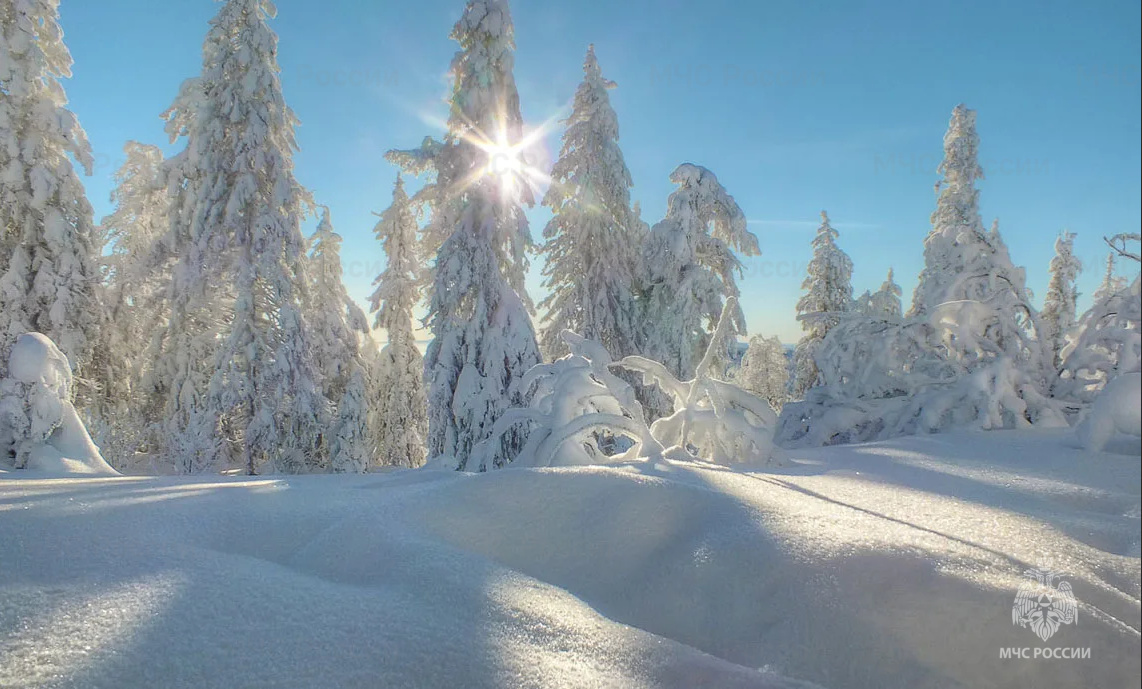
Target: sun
[508,161]
[505,162]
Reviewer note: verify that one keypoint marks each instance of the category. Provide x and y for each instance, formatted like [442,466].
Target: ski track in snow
[890,564]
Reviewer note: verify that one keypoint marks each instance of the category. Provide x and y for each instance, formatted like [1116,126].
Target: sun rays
[513,162]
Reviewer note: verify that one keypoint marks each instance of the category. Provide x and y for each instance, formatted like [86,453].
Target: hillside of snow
[878,566]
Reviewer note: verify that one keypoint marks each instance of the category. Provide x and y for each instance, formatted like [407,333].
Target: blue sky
[796,106]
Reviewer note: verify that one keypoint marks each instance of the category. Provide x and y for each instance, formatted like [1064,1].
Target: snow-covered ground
[892,564]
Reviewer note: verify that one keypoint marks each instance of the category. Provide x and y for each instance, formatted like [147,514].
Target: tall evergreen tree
[136,266]
[957,226]
[49,271]
[592,241]
[478,311]
[1059,310]
[401,406]
[828,294]
[340,332]
[962,260]
[235,361]
[691,268]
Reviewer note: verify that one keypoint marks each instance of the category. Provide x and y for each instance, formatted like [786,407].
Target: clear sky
[796,106]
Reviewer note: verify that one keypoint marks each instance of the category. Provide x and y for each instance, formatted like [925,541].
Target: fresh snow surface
[887,565]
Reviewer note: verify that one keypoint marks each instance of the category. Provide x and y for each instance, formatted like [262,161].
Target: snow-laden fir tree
[401,409]
[691,268]
[136,268]
[765,370]
[478,309]
[48,262]
[962,260]
[1059,308]
[885,302]
[592,242]
[828,293]
[965,262]
[1108,338]
[967,355]
[235,363]
[340,331]
[957,227]
[1111,283]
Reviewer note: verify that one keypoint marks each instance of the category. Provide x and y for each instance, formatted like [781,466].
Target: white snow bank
[891,565]
[39,428]
[1117,409]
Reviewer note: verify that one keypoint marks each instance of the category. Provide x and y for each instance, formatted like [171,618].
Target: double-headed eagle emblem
[1044,603]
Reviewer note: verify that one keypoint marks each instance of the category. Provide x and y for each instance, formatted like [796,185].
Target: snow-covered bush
[1107,343]
[39,428]
[575,400]
[926,374]
[1117,409]
[713,420]
[579,398]
[764,370]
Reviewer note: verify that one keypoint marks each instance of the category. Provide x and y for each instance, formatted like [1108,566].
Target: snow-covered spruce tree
[1059,310]
[1108,339]
[401,409]
[967,355]
[235,361]
[48,262]
[765,370]
[885,302]
[1111,283]
[592,244]
[962,260]
[340,331]
[957,227]
[828,293]
[690,269]
[136,267]
[478,309]
[965,262]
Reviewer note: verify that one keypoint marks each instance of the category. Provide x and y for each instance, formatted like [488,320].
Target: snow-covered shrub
[925,374]
[1117,409]
[764,370]
[579,398]
[575,400]
[713,420]
[1107,343]
[39,428]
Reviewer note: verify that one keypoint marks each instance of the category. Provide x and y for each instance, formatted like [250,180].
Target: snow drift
[39,428]
[892,565]
[1117,409]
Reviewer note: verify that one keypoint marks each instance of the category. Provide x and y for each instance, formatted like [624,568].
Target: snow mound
[1117,409]
[39,428]
[891,565]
